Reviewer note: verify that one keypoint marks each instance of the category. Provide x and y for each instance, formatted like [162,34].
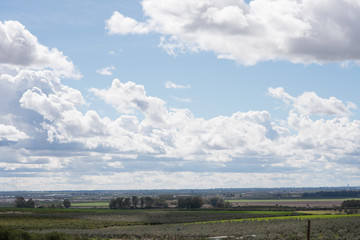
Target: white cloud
[181,180]
[169,84]
[310,103]
[185,100]
[172,46]
[19,49]
[11,133]
[106,71]
[301,31]
[129,97]
[116,164]
[43,131]
[119,24]
[176,133]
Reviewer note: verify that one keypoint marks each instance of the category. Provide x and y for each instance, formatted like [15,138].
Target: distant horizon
[185,189]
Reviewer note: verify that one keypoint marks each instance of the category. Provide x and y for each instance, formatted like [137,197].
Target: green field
[91,204]
[291,200]
[169,223]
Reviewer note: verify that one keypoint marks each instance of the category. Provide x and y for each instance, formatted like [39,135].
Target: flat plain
[312,203]
[174,223]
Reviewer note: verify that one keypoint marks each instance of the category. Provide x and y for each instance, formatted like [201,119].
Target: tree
[120,203]
[217,202]
[30,203]
[126,203]
[66,203]
[20,202]
[190,202]
[134,201]
[148,201]
[142,202]
[351,204]
[112,204]
[196,202]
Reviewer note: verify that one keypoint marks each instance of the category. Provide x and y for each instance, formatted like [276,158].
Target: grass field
[91,204]
[168,223]
[291,200]
[302,203]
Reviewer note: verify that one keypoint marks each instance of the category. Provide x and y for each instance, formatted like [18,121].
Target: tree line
[135,202]
[185,202]
[332,194]
[20,202]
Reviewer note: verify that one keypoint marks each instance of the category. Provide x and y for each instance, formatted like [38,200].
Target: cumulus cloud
[52,116]
[106,71]
[129,97]
[309,103]
[44,131]
[11,133]
[19,49]
[169,84]
[119,24]
[297,31]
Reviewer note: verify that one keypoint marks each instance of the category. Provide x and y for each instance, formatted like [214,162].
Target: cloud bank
[299,31]
[43,132]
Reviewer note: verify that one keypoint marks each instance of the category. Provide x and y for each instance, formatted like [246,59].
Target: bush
[351,204]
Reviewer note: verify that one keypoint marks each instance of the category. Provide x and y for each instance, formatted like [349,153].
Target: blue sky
[179,94]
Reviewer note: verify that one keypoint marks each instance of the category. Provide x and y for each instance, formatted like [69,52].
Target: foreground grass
[47,219]
[322,228]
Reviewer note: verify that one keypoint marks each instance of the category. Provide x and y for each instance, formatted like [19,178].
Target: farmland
[156,223]
[249,215]
[322,203]
[91,204]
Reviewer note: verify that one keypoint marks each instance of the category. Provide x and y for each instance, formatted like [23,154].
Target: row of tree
[135,202]
[20,202]
[332,194]
[188,202]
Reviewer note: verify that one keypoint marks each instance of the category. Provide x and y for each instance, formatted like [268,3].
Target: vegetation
[218,202]
[9,234]
[190,202]
[332,194]
[66,203]
[188,216]
[167,223]
[21,203]
[351,204]
[145,202]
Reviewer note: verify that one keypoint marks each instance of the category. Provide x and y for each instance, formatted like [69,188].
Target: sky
[168,94]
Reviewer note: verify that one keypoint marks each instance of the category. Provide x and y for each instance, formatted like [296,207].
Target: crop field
[168,224]
[91,204]
[325,203]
